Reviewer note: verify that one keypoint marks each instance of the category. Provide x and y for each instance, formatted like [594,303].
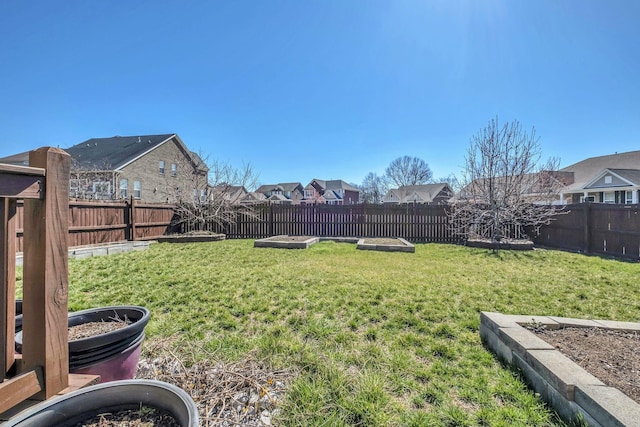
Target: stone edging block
[570,389]
[405,246]
[282,242]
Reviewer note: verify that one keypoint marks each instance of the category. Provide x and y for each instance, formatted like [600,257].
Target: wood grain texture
[8,282]
[18,389]
[45,274]
[20,186]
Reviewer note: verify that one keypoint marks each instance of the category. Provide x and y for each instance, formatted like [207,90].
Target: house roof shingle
[115,152]
[424,193]
[585,170]
[334,184]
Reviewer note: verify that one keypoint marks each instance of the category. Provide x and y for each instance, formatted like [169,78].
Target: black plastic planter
[138,316]
[113,355]
[80,405]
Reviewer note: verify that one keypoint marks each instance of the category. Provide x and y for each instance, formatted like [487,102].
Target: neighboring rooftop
[118,151]
[585,170]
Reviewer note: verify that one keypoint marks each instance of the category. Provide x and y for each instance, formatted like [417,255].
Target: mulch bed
[143,417]
[609,355]
[91,329]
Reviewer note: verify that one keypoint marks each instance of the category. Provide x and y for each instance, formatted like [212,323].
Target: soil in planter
[383,241]
[611,356]
[91,329]
[143,417]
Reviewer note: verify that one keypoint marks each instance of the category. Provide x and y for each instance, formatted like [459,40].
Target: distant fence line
[419,223]
[592,228]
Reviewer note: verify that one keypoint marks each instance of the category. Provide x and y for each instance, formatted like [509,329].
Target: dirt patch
[382,241]
[609,355]
[142,417]
[289,238]
[91,329]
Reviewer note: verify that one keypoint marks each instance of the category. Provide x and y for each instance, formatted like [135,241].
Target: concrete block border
[402,246]
[285,242]
[569,389]
[101,250]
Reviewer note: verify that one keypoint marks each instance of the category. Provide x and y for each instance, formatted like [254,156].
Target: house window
[203,195]
[585,199]
[308,194]
[609,197]
[102,189]
[174,170]
[161,167]
[124,188]
[137,190]
[607,179]
[628,197]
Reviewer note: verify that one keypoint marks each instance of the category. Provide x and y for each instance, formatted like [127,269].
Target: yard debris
[243,393]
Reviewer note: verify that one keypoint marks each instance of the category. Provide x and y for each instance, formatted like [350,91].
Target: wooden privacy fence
[417,223]
[93,223]
[595,228]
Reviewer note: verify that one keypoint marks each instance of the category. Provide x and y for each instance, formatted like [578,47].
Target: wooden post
[587,228]
[45,276]
[8,283]
[271,228]
[132,218]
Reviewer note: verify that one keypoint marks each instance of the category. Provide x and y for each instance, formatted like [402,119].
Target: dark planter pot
[80,405]
[138,316]
[113,355]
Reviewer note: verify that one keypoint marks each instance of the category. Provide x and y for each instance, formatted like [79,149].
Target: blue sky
[328,89]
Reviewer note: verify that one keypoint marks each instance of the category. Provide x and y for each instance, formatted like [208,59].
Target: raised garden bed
[571,390]
[286,242]
[190,238]
[385,244]
[507,244]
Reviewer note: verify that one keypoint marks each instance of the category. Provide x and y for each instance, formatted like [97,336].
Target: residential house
[20,159]
[151,168]
[292,192]
[613,178]
[426,194]
[253,198]
[231,194]
[541,188]
[334,192]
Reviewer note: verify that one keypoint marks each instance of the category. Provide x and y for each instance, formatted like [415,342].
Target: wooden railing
[43,369]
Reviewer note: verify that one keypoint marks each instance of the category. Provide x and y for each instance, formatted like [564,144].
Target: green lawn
[378,338]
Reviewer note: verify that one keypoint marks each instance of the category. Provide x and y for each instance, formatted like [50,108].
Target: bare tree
[92,181]
[373,188]
[453,182]
[408,170]
[506,189]
[214,199]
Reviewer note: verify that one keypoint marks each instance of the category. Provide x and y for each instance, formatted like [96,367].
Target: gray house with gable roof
[614,178]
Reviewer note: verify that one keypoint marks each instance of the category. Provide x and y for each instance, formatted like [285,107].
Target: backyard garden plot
[365,337]
[286,242]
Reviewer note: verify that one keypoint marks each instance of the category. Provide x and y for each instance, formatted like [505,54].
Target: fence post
[270,219]
[46,273]
[587,228]
[132,218]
